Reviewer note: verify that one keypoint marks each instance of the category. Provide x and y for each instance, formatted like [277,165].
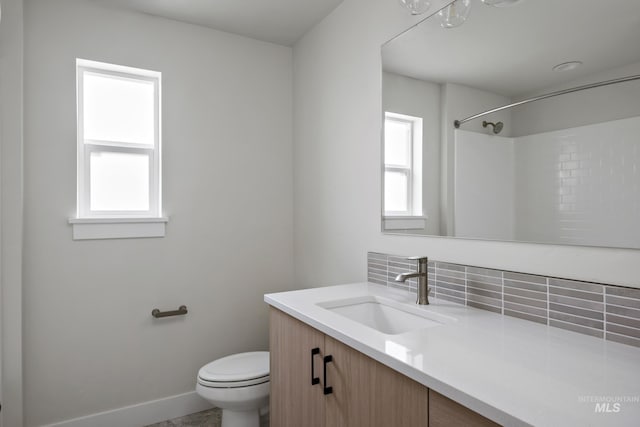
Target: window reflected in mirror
[402,165]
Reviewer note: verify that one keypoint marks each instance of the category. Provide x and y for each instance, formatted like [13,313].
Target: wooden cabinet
[294,402]
[368,393]
[364,392]
[444,412]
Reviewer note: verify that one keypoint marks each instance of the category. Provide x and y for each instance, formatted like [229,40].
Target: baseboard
[142,414]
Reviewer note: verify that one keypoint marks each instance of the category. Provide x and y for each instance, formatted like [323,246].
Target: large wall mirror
[562,167]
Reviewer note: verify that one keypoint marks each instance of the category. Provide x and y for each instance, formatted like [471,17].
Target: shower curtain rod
[457,123]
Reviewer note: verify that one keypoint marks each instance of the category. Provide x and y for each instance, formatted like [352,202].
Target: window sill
[117,228]
[404,222]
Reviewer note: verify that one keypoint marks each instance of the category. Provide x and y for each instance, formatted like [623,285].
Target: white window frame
[88,224]
[86,146]
[414,187]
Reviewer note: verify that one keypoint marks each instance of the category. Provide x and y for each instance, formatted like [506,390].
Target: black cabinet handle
[327,359]
[314,380]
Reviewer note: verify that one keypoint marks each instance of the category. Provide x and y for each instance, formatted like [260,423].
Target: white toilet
[237,384]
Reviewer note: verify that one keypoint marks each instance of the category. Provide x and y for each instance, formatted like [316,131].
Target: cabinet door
[369,394]
[294,401]
[444,412]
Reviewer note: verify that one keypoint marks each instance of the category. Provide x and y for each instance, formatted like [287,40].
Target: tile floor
[208,418]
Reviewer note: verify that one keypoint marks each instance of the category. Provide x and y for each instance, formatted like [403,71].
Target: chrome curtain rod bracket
[182,310]
[458,123]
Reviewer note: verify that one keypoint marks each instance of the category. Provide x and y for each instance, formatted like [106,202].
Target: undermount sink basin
[386,316]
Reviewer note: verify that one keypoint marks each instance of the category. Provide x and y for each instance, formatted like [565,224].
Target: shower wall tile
[589,177]
[603,311]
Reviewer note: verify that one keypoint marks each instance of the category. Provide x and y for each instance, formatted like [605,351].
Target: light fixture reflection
[416,7]
[455,14]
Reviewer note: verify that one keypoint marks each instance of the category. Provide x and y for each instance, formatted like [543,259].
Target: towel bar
[182,310]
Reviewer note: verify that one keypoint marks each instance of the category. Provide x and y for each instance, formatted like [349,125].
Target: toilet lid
[237,367]
[233,384]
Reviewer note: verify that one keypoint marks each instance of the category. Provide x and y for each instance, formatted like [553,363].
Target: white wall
[337,121]
[11,169]
[484,186]
[419,98]
[90,341]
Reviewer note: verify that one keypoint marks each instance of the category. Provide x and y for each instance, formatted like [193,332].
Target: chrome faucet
[421,274]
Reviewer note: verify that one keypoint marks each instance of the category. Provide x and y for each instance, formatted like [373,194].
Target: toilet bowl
[237,384]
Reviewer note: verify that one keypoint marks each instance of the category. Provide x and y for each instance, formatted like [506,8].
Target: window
[119,140]
[402,165]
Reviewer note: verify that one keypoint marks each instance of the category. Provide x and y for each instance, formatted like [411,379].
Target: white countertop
[512,371]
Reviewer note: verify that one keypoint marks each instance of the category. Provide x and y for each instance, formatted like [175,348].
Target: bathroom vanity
[360,391]
[366,355]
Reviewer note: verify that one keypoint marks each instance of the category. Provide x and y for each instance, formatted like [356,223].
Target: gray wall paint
[337,121]
[90,342]
[11,167]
